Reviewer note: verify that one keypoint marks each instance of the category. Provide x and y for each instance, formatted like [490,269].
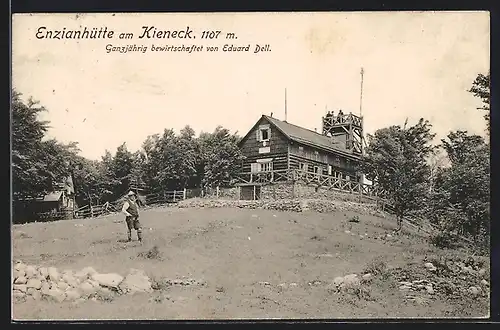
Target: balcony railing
[318,179]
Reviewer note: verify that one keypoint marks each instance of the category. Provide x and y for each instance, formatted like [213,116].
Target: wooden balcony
[309,178]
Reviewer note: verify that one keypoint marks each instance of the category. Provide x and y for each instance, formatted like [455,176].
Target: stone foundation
[290,190]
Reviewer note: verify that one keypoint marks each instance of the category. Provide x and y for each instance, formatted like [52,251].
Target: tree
[220,157]
[122,167]
[37,165]
[396,160]
[462,200]
[188,148]
[481,88]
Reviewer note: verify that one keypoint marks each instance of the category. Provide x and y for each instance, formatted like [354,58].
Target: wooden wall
[312,157]
[278,148]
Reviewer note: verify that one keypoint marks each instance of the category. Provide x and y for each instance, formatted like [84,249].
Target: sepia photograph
[250,166]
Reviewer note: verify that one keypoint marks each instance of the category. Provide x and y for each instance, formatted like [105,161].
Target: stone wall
[312,192]
[277,191]
[224,193]
[290,190]
[293,205]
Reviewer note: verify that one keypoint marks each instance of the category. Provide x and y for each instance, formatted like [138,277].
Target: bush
[376,266]
[445,240]
[153,253]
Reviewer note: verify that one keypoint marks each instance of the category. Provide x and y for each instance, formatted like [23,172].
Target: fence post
[217,191]
[174,195]
[184,194]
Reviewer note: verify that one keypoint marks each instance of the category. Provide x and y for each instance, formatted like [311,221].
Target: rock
[93,283]
[20,287]
[18,273]
[56,294]
[474,291]
[63,286]
[338,280]
[21,280]
[430,266]
[389,235]
[89,271]
[19,266]
[70,279]
[469,270]
[45,288]
[367,277]
[34,283]
[351,280]
[44,272]
[405,288]
[18,294]
[430,289]
[482,272]
[136,281]
[86,288]
[72,295]
[53,274]
[81,275]
[30,272]
[347,232]
[108,280]
[36,295]
[484,282]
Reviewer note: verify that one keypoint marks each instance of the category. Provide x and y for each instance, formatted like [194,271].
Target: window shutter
[269,134]
[257,134]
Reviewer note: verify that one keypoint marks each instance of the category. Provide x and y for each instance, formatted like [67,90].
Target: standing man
[131,211]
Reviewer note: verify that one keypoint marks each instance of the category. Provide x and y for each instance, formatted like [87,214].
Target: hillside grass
[234,251]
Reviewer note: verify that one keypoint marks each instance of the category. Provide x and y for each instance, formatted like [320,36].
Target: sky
[415,65]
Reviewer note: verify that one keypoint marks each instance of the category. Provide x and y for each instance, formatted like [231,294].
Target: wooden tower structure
[346,128]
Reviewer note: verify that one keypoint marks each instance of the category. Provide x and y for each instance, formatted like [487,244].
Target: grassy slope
[232,250]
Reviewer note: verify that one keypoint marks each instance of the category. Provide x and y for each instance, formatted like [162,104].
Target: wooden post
[184,194]
[217,191]
[254,192]
[174,195]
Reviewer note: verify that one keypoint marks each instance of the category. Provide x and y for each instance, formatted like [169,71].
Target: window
[264,134]
[303,167]
[316,169]
[301,149]
[254,167]
[266,167]
[337,160]
[262,165]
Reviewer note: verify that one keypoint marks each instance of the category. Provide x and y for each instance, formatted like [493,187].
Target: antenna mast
[361,94]
[285,105]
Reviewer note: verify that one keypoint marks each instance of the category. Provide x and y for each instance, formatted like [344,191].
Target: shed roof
[53,196]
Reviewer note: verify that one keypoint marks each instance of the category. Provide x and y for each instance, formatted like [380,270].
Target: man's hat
[130,193]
